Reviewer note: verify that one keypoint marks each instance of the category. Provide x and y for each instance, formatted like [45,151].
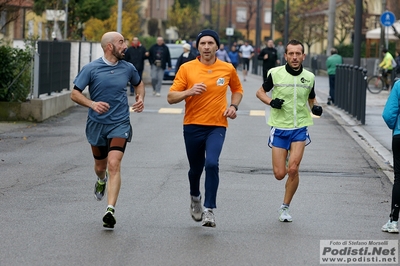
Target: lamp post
[257,44]
[357,33]
[272,20]
[287,23]
[230,22]
[331,25]
[119,23]
[66,19]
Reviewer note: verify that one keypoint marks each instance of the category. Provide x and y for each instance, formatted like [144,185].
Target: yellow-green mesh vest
[295,112]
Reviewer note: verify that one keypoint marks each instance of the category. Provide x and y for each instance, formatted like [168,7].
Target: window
[30,28]
[3,16]
[40,30]
[267,16]
[241,14]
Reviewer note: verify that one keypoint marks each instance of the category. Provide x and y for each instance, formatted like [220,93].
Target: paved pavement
[49,216]
[374,136]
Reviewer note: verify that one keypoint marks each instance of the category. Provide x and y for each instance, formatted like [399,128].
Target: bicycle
[376,83]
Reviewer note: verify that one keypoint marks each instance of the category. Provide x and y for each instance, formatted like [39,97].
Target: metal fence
[56,64]
[351,90]
[52,67]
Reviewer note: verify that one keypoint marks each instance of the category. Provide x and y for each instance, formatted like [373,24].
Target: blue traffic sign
[387,18]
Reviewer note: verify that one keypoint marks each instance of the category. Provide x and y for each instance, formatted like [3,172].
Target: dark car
[175,51]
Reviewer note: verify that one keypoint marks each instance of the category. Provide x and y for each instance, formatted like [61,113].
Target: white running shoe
[196,210]
[391,227]
[284,215]
[208,219]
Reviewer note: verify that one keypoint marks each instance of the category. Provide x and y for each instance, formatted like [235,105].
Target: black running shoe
[109,219]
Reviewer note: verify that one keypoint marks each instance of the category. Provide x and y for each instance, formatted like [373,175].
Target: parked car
[175,51]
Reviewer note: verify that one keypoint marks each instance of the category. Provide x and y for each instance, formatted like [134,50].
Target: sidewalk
[375,137]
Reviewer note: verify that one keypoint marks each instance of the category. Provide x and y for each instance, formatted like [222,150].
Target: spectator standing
[203,84]
[136,54]
[281,51]
[269,55]
[237,46]
[108,127]
[194,50]
[292,89]
[222,54]
[160,59]
[234,56]
[331,62]
[246,52]
[186,56]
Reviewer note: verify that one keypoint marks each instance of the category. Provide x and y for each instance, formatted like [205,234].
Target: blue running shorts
[98,134]
[283,138]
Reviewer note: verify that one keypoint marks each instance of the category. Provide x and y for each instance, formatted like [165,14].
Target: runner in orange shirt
[203,84]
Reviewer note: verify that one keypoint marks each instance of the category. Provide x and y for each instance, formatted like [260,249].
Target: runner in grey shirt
[246,52]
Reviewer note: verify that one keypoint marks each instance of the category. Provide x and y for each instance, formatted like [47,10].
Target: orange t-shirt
[207,108]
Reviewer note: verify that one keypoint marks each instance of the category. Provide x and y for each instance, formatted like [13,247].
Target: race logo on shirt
[220,82]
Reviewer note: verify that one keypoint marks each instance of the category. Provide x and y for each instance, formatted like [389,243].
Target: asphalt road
[50,217]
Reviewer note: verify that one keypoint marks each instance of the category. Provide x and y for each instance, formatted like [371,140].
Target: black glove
[276,103]
[316,110]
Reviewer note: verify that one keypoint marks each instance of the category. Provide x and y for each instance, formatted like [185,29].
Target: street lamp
[287,22]
[66,19]
[257,44]
[230,22]
[119,19]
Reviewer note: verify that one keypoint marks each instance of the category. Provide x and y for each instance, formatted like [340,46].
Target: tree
[79,12]
[95,28]
[308,25]
[344,22]
[152,27]
[251,10]
[185,19]
[10,10]
[314,31]
[193,3]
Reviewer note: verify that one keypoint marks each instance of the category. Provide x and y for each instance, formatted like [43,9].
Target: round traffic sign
[388,18]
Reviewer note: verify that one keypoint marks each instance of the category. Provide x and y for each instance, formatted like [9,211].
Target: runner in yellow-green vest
[292,96]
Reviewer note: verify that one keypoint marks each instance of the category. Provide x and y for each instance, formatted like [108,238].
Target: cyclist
[386,66]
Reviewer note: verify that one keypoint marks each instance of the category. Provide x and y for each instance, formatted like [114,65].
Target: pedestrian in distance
[386,66]
[333,60]
[292,88]
[281,51]
[136,54]
[160,59]
[246,53]
[193,49]
[269,56]
[390,115]
[108,127]
[186,56]
[203,83]
[234,56]
[222,54]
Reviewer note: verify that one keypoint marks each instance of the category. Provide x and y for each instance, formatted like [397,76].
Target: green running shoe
[100,188]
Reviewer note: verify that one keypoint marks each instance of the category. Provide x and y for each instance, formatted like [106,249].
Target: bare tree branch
[10,11]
